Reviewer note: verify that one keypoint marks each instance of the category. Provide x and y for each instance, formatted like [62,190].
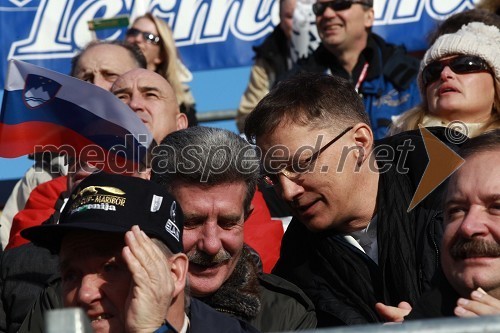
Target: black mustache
[463,249]
[203,259]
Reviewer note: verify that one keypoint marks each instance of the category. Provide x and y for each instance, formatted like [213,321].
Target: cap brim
[50,236]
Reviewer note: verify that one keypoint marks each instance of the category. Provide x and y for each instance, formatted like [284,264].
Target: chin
[204,286]
[315,224]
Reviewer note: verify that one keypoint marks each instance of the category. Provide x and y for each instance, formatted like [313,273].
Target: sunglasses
[320,7]
[148,37]
[293,170]
[460,65]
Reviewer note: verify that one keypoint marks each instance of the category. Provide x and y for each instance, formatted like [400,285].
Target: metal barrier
[204,117]
[73,320]
[450,325]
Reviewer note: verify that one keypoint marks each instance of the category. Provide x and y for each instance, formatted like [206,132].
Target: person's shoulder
[203,318]
[279,285]
[286,303]
[398,66]
[449,137]
[409,151]
[275,42]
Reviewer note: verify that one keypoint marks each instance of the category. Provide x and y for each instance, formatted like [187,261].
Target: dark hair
[308,99]
[206,156]
[491,5]
[453,23]
[134,51]
[487,141]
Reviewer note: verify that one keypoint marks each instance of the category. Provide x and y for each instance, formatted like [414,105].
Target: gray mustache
[203,259]
[463,249]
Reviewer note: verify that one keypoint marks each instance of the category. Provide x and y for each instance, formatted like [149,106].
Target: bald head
[152,99]
[101,63]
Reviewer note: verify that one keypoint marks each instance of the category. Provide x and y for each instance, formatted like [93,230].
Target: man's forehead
[109,52]
[480,172]
[292,137]
[141,78]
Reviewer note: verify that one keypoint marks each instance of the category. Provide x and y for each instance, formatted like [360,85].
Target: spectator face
[344,29]
[213,232]
[149,48]
[153,100]
[328,192]
[96,278]
[102,64]
[467,97]
[471,241]
[286,16]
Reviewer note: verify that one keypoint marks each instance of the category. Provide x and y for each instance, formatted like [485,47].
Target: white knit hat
[475,38]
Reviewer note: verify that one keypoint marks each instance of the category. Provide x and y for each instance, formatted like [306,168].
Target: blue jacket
[204,319]
[390,86]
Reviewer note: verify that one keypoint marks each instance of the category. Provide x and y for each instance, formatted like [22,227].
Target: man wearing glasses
[382,73]
[356,244]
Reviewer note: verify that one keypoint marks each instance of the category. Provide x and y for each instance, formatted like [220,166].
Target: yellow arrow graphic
[443,162]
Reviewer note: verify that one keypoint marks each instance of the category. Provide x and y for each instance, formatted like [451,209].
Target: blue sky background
[213,90]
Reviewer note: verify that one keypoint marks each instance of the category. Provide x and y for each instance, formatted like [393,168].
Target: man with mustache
[213,174]
[470,255]
[119,241]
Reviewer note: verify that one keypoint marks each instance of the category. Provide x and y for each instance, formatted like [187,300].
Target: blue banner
[210,34]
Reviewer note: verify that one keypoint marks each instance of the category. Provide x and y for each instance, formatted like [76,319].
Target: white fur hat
[475,38]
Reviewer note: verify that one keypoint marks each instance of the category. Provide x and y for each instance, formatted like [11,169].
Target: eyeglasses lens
[148,37]
[320,7]
[459,65]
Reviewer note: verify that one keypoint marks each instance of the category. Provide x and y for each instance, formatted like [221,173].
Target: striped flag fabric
[45,110]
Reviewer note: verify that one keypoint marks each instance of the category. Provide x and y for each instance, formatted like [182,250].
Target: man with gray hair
[213,174]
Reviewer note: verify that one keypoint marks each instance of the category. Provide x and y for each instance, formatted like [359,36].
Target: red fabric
[39,207]
[262,233]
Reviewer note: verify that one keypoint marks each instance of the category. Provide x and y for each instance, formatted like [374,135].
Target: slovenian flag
[45,110]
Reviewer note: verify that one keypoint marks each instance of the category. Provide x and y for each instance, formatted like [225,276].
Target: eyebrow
[226,218]
[143,89]
[120,91]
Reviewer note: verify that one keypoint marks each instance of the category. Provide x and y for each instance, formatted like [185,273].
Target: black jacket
[268,302]
[24,272]
[343,282]
[438,302]
[275,51]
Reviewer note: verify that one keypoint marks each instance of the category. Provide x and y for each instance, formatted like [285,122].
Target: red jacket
[262,233]
[39,208]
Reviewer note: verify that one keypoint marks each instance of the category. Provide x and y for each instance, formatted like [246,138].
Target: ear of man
[182,121]
[363,138]
[179,264]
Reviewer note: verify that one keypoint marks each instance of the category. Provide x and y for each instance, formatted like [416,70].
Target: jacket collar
[239,295]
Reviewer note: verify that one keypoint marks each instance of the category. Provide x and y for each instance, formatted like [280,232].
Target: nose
[135,102]
[446,73]
[289,188]
[210,241]
[134,39]
[473,224]
[89,290]
[101,81]
[329,12]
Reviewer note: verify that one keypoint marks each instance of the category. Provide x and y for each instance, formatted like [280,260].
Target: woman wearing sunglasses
[459,80]
[155,39]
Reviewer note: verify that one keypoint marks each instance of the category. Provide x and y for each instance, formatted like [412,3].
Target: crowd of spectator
[189,240]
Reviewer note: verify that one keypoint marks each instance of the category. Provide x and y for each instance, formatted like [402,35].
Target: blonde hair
[410,119]
[169,68]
